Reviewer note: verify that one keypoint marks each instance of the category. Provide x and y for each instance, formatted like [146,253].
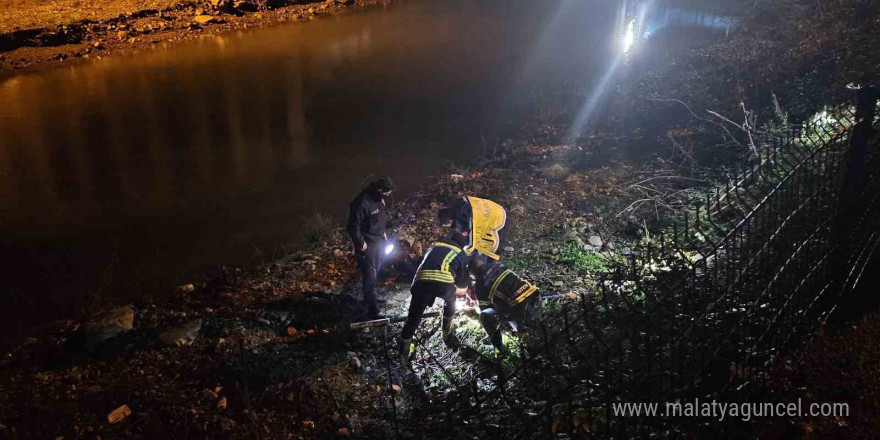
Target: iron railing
[703,311]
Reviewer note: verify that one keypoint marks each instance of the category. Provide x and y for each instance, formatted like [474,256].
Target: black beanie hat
[385,184]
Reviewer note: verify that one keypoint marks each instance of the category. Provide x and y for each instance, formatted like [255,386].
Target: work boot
[406,350]
[498,343]
[502,352]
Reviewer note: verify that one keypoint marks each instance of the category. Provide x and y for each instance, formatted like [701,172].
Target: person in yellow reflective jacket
[444,266]
[503,297]
[483,221]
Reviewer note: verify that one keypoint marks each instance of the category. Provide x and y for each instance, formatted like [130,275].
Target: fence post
[850,207]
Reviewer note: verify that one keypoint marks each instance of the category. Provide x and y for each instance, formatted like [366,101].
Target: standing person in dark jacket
[367,217]
[443,267]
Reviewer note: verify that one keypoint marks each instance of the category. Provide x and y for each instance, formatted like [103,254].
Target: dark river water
[138,172]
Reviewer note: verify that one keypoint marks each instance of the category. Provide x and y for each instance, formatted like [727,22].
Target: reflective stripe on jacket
[498,285]
[443,263]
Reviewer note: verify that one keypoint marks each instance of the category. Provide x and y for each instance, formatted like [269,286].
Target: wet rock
[354,361]
[595,241]
[221,5]
[245,6]
[182,335]
[206,19]
[109,324]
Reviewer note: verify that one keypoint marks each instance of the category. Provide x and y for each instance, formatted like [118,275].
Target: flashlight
[389,248]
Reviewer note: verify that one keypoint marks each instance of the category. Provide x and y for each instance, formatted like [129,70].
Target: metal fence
[704,310]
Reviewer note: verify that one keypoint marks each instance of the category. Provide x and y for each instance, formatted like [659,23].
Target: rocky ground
[267,352]
[34,33]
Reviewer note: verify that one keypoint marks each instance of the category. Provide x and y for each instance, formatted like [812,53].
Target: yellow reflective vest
[487,219]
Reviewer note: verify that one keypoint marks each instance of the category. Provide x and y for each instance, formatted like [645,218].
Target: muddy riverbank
[263,352]
[266,350]
[33,34]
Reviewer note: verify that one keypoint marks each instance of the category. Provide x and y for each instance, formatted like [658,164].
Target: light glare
[629,37]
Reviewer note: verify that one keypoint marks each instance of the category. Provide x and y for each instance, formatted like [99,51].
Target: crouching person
[444,266]
[503,297]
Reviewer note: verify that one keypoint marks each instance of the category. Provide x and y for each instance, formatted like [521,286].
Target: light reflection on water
[196,156]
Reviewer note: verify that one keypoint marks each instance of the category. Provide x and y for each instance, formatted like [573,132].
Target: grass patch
[582,259]
[520,262]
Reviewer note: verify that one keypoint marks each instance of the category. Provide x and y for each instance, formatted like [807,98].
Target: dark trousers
[423,295]
[368,263]
[493,317]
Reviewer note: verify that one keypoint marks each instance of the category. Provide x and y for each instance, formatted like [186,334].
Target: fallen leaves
[119,414]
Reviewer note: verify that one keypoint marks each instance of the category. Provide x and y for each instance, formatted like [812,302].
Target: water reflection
[142,137]
[167,161]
